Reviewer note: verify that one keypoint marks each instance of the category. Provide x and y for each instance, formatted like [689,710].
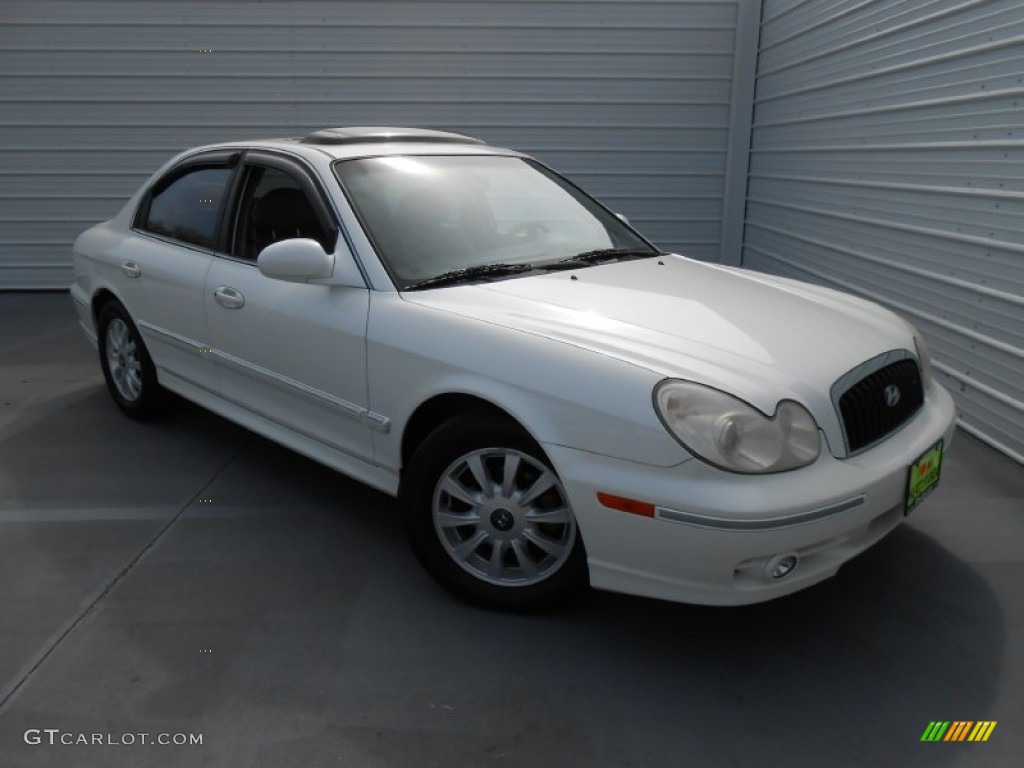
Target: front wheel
[489,519]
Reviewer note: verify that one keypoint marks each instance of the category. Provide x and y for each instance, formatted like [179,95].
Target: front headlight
[924,358]
[732,435]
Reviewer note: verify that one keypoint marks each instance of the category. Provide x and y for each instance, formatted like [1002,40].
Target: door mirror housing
[303,260]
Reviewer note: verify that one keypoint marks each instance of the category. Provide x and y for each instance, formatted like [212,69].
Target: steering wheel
[526,231]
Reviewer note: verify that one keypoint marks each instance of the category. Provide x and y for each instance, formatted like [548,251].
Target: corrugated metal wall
[631,99]
[888,158]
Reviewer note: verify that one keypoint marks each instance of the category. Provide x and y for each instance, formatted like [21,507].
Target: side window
[274,207]
[188,209]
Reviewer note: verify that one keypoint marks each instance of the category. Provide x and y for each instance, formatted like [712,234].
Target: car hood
[761,337]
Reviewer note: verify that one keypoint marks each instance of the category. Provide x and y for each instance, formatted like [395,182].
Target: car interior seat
[279,215]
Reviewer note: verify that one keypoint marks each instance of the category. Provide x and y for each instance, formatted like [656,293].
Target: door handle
[131,269]
[229,298]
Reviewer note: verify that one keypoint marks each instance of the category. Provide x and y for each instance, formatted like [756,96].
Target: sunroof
[367,134]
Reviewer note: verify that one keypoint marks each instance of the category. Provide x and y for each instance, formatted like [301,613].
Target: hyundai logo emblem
[892,395]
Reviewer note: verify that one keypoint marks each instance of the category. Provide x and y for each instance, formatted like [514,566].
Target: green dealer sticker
[922,477]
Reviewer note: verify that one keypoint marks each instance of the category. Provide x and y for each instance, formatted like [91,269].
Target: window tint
[188,209]
[274,207]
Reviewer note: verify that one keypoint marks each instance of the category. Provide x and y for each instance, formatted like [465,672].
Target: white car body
[339,371]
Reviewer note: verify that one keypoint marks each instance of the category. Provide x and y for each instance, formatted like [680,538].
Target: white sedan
[555,401]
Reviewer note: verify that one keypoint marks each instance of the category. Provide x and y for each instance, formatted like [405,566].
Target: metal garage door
[888,158]
[629,98]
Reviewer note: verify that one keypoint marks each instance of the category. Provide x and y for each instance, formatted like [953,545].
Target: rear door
[160,272]
[292,353]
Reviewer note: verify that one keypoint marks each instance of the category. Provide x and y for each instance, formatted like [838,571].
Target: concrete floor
[189,577]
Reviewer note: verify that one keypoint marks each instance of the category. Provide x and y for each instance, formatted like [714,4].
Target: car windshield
[478,217]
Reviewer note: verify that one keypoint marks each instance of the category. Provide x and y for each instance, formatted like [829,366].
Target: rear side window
[189,208]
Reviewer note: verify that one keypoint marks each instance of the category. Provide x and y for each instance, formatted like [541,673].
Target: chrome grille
[870,410]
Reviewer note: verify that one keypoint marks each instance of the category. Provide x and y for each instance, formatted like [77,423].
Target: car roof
[365,141]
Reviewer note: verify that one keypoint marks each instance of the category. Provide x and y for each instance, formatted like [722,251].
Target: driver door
[292,353]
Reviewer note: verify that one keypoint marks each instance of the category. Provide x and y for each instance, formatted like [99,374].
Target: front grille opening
[867,408]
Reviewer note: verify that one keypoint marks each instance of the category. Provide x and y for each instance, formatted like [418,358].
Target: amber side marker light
[623,504]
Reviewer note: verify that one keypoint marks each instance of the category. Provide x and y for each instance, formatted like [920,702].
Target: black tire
[127,367]
[532,564]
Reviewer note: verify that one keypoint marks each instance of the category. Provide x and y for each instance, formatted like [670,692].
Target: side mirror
[302,260]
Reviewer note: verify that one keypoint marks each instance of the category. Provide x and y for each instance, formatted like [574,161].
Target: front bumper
[714,532]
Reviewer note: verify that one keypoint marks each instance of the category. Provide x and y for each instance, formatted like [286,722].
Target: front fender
[561,394]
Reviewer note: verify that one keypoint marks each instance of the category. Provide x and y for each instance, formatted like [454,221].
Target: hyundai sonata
[555,401]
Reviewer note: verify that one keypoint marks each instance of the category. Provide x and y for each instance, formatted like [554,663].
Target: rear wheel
[489,518]
[127,366]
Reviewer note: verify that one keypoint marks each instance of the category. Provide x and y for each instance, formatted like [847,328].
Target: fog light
[780,566]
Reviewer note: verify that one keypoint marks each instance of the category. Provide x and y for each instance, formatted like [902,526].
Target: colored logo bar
[958,730]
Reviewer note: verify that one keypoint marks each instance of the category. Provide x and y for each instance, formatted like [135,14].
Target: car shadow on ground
[324,637]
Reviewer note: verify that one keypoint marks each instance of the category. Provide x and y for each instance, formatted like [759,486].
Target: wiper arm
[599,255]
[467,274]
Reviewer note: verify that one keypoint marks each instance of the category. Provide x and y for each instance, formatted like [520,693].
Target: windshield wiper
[467,274]
[600,255]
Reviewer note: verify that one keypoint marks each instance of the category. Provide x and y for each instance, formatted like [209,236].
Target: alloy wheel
[123,360]
[503,517]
